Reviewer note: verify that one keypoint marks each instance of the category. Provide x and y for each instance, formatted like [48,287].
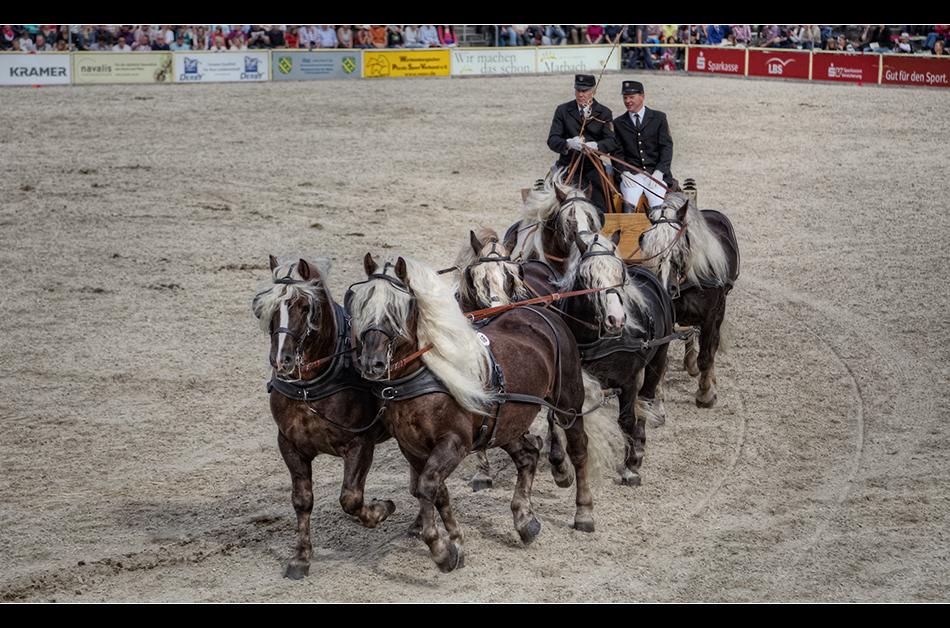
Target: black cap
[584,81]
[632,87]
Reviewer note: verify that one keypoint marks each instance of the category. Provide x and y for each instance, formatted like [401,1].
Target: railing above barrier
[79,68]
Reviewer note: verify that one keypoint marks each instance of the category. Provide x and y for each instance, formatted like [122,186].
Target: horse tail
[605,441]
[725,336]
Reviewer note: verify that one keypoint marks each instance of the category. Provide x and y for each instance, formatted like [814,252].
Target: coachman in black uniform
[645,142]
[565,137]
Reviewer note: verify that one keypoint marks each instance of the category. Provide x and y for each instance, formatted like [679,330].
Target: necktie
[636,121]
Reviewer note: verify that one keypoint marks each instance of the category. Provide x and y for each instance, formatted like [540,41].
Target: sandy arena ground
[139,456]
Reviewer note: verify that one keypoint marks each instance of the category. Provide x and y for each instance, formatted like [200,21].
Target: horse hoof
[530,532]
[706,404]
[629,478]
[415,531]
[584,526]
[480,484]
[297,570]
[381,510]
[563,478]
[453,561]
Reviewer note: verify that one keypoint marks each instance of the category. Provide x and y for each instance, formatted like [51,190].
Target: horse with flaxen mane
[319,402]
[696,257]
[552,213]
[448,389]
[622,330]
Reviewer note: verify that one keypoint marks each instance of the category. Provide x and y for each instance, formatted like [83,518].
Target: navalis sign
[919,71]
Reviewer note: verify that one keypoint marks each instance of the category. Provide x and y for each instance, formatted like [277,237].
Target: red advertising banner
[779,63]
[716,60]
[920,71]
[857,68]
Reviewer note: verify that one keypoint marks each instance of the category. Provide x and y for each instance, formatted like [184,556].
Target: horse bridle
[492,256]
[393,336]
[682,230]
[611,290]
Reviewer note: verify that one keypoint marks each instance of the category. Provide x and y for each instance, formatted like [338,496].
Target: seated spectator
[179,45]
[719,34]
[411,36]
[218,43]
[291,38]
[904,45]
[595,34]
[396,36]
[309,37]
[775,36]
[939,48]
[364,39]
[121,46]
[142,45]
[447,36]
[160,43]
[327,36]
[429,36]
[742,35]
[380,36]
[344,35]
[256,37]
[554,35]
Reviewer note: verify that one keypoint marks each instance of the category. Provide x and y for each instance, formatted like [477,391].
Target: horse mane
[541,205]
[598,267]
[271,295]
[707,257]
[457,358]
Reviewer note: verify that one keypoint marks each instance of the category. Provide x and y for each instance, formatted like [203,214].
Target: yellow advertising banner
[122,67]
[410,62]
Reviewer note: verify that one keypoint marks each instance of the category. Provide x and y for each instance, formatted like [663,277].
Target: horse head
[490,277]
[596,265]
[665,245]
[296,310]
[384,314]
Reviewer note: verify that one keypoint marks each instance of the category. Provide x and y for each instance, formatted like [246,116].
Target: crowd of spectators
[861,38]
[220,37]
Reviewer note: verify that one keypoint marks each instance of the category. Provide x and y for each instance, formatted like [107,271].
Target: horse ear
[579,243]
[681,212]
[473,240]
[559,194]
[369,265]
[306,271]
[615,237]
[589,190]
[273,263]
[402,271]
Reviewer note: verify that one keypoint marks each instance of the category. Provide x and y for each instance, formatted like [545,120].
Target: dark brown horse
[696,257]
[467,390]
[319,402]
[622,331]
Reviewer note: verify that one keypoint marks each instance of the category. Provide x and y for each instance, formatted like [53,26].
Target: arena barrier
[83,68]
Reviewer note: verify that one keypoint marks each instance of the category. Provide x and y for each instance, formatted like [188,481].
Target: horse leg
[415,528]
[430,491]
[584,500]
[301,474]
[563,472]
[482,478]
[651,397]
[525,456]
[634,431]
[708,345]
[356,463]
[692,350]
[443,503]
